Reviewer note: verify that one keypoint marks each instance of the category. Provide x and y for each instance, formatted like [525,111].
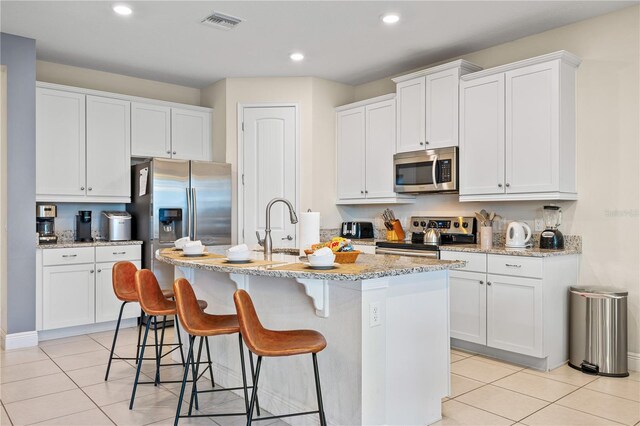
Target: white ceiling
[343,41]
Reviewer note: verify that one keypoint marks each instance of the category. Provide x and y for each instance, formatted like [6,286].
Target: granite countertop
[365,242]
[373,266]
[97,243]
[501,249]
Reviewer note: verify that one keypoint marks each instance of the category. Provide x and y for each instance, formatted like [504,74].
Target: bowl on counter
[321,260]
[340,256]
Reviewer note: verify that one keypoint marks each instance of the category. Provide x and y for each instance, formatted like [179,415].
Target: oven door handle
[412,253]
[433,171]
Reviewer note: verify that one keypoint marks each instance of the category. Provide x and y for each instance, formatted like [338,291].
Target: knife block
[397,233]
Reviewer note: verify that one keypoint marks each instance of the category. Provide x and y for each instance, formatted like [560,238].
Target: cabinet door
[107,304]
[190,135]
[532,120]
[410,99]
[150,130]
[442,109]
[482,136]
[60,143]
[379,148]
[108,147]
[514,314]
[468,302]
[68,295]
[351,153]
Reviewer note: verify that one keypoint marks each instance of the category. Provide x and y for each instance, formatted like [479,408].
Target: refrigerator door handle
[188,212]
[195,214]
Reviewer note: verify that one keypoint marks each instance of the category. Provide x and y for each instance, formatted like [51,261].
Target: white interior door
[269,171]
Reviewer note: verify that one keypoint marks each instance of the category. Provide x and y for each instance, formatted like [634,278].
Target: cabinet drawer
[67,256]
[116,253]
[476,262]
[518,266]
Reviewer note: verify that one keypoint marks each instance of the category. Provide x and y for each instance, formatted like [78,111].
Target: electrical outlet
[374,314]
[539,225]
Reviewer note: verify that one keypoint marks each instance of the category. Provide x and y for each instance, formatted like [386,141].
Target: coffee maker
[83,226]
[551,237]
[45,223]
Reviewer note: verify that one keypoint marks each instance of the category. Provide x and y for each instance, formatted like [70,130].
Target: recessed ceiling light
[296,56]
[123,10]
[390,18]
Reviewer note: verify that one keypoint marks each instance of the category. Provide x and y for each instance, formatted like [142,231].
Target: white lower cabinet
[68,295]
[107,304]
[74,286]
[468,305]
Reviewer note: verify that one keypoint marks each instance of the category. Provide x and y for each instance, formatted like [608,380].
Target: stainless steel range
[438,230]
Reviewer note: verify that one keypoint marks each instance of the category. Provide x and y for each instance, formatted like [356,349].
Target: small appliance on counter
[551,237]
[518,235]
[45,223]
[83,226]
[357,230]
[115,225]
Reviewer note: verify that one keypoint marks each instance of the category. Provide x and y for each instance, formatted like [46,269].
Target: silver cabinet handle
[92,271]
[481,282]
[69,255]
[508,185]
[169,152]
[195,214]
[82,188]
[421,143]
[174,153]
[499,185]
[90,188]
[366,192]
[189,213]
[426,142]
[433,171]
[362,192]
[488,282]
[288,237]
[99,270]
[119,252]
[511,265]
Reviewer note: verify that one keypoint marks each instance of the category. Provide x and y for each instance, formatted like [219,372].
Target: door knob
[499,185]
[481,282]
[488,283]
[508,185]
[426,142]
[174,153]
[89,188]
[99,270]
[421,143]
[168,152]
[288,237]
[82,188]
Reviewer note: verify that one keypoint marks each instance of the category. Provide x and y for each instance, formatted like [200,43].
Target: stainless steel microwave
[434,170]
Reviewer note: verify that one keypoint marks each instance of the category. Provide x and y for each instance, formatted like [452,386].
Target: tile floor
[61,383]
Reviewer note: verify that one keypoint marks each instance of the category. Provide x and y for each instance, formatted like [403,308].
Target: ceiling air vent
[222,21]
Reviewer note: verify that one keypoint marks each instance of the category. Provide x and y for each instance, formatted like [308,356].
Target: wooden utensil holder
[397,233]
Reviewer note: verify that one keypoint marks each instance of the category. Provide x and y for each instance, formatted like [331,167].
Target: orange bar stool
[155,304]
[271,343]
[124,287]
[200,324]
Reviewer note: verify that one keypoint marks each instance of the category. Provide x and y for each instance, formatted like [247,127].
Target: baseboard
[26,339]
[85,329]
[634,361]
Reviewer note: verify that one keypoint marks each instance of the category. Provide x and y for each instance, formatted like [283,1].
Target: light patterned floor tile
[557,415]
[479,370]
[147,409]
[21,356]
[95,374]
[455,358]
[89,359]
[14,373]
[564,374]
[72,348]
[460,385]
[499,363]
[634,375]
[502,402]
[206,421]
[93,417]
[64,340]
[107,393]
[603,405]
[457,413]
[4,418]
[536,386]
[37,386]
[48,407]
[618,386]
[460,352]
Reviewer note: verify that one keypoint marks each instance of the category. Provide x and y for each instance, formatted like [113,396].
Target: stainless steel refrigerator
[176,198]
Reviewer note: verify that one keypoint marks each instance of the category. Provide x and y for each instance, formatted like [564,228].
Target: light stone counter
[528,252]
[97,243]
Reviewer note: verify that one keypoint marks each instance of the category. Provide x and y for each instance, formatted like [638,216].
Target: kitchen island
[385,318]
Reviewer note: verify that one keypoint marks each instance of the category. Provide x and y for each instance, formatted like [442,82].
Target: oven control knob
[416,223]
[456,224]
[432,224]
[423,223]
[465,225]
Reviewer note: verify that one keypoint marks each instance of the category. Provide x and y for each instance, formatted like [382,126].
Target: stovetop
[453,230]
[407,245]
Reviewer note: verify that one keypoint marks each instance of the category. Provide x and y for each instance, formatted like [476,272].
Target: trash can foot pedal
[589,368]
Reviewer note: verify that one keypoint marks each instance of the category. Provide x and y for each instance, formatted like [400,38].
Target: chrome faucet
[266,242]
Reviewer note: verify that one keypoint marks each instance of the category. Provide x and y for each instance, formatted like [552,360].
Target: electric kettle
[518,235]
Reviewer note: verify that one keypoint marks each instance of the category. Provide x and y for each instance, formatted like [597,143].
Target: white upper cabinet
[190,135]
[365,139]
[517,130]
[150,130]
[60,143]
[428,106]
[108,147]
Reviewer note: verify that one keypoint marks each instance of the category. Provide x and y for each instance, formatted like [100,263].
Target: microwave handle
[433,171]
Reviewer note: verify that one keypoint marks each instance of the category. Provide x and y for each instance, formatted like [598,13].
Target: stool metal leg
[135,383]
[206,341]
[254,394]
[184,378]
[253,380]
[175,322]
[244,374]
[194,387]
[323,419]
[158,350]
[164,324]
[139,334]
[115,338]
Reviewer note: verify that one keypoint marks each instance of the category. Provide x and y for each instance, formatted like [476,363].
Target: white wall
[607,214]
[3,198]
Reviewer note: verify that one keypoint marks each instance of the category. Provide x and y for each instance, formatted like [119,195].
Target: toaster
[115,225]
[357,230]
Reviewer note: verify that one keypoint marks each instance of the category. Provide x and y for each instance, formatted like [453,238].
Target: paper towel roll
[309,230]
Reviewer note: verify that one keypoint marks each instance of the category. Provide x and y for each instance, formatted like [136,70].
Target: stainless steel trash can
[598,331]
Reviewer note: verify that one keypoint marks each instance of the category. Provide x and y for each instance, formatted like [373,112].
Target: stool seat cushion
[124,282]
[151,297]
[194,320]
